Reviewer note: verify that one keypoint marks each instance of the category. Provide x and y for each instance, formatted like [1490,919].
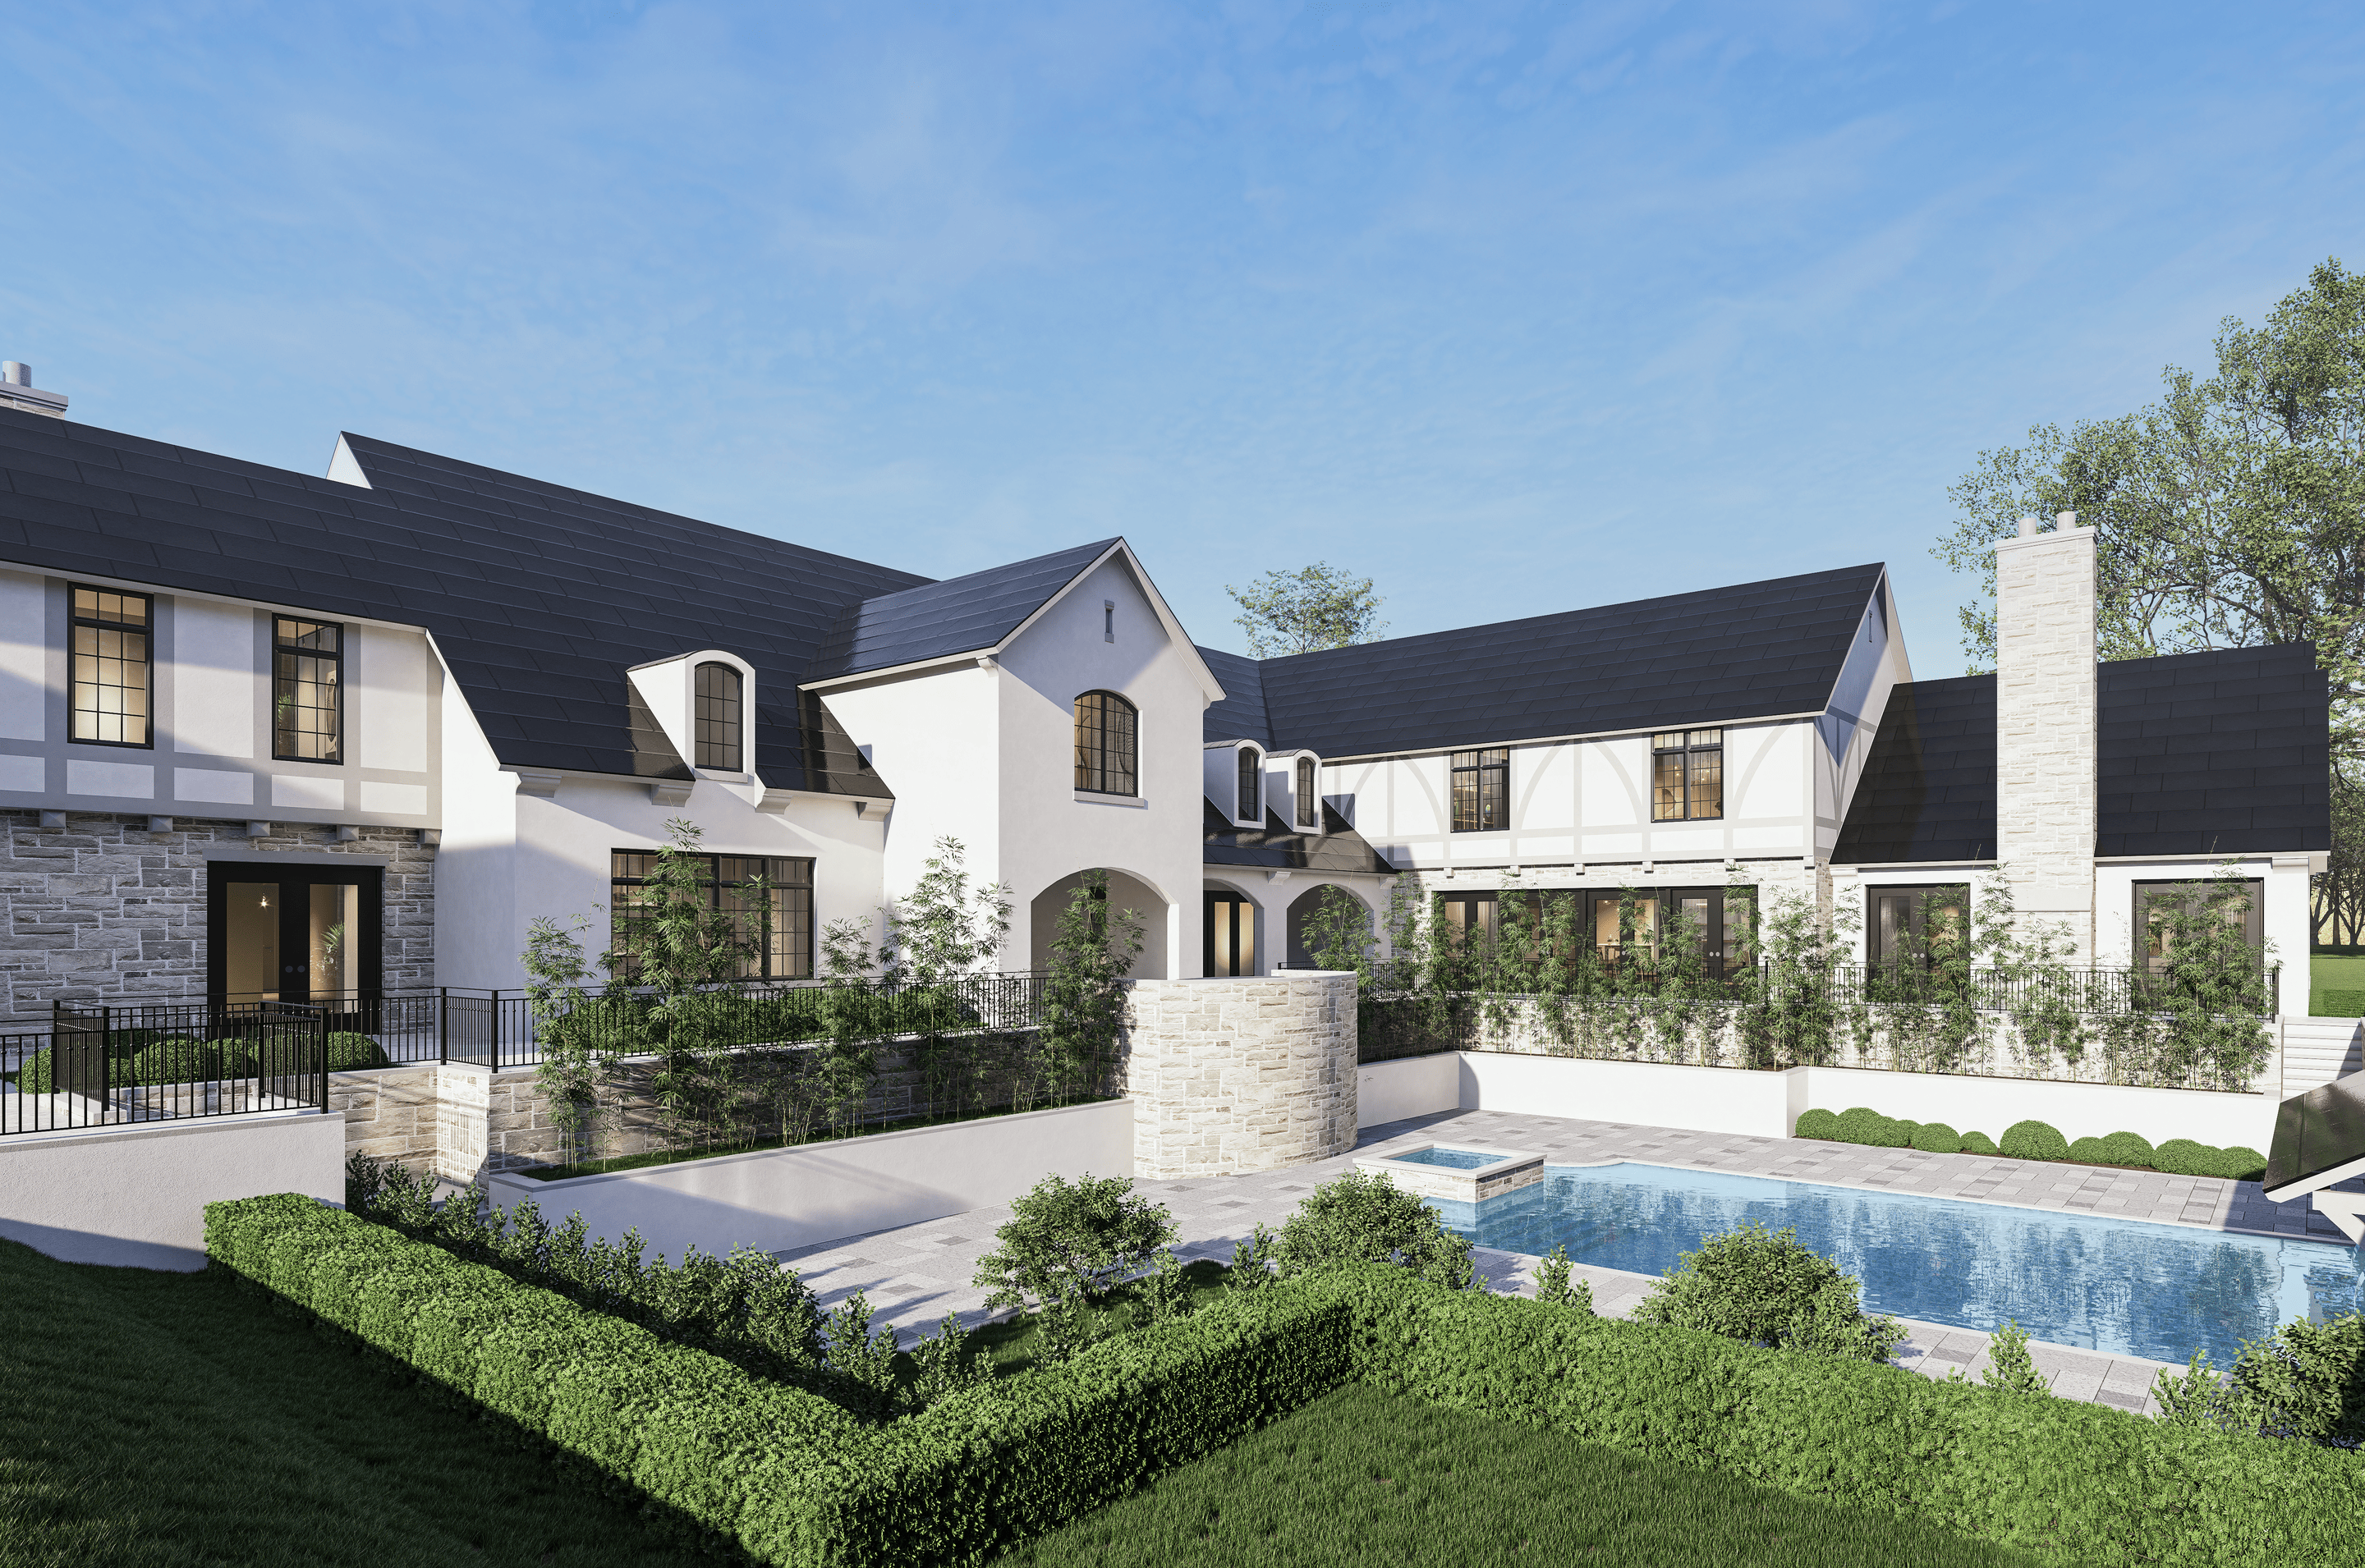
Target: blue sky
[1513,309]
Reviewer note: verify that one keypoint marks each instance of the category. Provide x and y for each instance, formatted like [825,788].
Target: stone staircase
[2317,1050]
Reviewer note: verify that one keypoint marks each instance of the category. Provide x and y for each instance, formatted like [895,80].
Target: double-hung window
[1687,775]
[775,919]
[1481,791]
[113,667]
[308,690]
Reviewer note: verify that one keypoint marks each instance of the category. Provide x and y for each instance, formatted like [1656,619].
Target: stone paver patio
[915,1275]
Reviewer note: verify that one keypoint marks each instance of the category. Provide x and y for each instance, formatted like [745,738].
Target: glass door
[1231,936]
[293,934]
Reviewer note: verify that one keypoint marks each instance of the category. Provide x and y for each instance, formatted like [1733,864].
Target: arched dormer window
[717,718]
[1306,816]
[1251,802]
[1108,734]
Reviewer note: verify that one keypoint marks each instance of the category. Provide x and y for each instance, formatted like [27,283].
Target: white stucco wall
[780,1198]
[135,1197]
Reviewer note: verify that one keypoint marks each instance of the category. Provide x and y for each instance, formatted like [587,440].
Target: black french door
[293,934]
[1230,935]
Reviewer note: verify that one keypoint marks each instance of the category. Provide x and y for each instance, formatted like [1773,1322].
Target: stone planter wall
[1246,1074]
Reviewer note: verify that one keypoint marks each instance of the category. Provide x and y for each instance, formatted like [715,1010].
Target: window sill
[1095,797]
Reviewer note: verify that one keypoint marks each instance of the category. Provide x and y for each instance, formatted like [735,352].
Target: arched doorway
[1124,892]
[1298,954]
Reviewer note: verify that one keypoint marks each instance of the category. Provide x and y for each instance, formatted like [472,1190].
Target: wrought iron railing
[108,1066]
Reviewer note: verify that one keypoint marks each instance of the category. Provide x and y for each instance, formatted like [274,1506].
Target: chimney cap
[16,373]
[2028,528]
[2065,520]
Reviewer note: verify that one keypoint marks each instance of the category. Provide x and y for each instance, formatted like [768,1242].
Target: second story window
[719,718]
[1251,790]
[308,690]
[1687,775]
[1107,738]
[113,673]
[1481,791]
[1305,816]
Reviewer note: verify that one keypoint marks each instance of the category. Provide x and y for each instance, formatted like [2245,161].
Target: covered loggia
[1126,891]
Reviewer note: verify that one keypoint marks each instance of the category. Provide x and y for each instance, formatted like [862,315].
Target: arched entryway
[1298,954]
[1126,891]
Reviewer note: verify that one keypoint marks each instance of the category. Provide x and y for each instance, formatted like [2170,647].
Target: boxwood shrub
[2033,1140]
[1979,1143]
[1937,1137]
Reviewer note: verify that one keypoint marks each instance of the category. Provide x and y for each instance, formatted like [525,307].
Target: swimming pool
[2126,1287]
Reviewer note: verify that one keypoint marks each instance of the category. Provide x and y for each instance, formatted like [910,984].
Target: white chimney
[18,391]
[2045,782]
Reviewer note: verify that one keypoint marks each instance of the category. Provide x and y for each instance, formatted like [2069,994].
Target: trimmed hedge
[2034,1140]
[146,1057]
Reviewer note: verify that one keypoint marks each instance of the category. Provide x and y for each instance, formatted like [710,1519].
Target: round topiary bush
[33,1074]
[349,1052]
[2033,1140]
[1977,1143]
[177,1060]
[2182,1157]
[1816,1124]
[2239,1164]
[1937,1137]
[2089,1151]
[1862,1124]
[2127,1148]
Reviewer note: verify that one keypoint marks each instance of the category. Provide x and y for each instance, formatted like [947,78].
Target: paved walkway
[915,1274]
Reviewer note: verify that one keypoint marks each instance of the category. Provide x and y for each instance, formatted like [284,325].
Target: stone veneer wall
[102,908]
[1235,1075]
[2047,786]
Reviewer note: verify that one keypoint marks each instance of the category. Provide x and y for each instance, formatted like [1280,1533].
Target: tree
[1300,612]
[1084,994]
[2230,513]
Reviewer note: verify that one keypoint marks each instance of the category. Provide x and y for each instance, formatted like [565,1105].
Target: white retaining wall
[1768,1105]
[135,1197]
[780,1198]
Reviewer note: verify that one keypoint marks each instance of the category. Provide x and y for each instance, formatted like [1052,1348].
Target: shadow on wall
[1126,891]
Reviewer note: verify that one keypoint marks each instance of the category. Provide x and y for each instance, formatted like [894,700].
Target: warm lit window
[308,690]
[1108,737]
[1687,775]
[717,718]
[1251,790]
[111,667]
[1481,791]
[1909,927]
[1305,812]
[777,920]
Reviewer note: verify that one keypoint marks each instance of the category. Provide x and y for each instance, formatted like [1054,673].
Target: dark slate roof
[539,596]
[959,615]
[1277,846]
[2219,753]
[1241,715]
[1746,651]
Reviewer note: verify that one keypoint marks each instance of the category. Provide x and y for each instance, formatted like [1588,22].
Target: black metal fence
[107,1066]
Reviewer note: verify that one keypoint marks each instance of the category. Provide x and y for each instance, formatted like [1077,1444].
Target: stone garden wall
[1246,1074]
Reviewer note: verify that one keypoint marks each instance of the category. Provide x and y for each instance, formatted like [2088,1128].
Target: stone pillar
[1235,1075]
[2045,785]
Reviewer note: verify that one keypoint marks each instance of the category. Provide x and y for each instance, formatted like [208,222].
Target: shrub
[351,1052]
[1363,1217]
[1979,1143]
[1766,1287]
[1066,1242]
[1937,1137]
[2033,1140]
[2182,1157]
[1553,1286]
[2090,1151]
[1860,1124]
[2127,1148]
[1817,1124]
[2010,1368]
[2306,1382]
[2239,1164]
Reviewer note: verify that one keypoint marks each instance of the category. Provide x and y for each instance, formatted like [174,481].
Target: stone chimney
[2046,784]
[17,391]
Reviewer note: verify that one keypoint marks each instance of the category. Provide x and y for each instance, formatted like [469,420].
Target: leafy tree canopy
[1300,612]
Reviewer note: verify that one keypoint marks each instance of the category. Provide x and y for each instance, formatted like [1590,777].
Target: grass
[1361,1477]
[152,1420]
[2325,973]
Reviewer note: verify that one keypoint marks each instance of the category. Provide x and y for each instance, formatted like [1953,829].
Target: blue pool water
[1457,1159]
[2122,1286]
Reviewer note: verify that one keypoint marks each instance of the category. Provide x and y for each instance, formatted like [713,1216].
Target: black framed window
[1306,816]
[308,690]
[1903,923]
[1687,775]
[1481,791]
[729,879]
[2157,903]
[718,717]
[113,670]
[1251,790]
[1108,737]
[1469,918]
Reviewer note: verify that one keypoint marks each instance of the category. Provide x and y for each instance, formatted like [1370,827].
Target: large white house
[268,734]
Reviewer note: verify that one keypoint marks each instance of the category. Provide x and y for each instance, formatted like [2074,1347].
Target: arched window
[717,718]
[1251,802]
[1305,812]
[1107,738]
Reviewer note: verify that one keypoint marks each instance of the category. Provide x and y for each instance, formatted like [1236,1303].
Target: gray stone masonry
[1234,1075]
[101,909]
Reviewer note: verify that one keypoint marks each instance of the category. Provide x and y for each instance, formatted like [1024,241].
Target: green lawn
[2328,973]
[1360,1477]
[170,1419]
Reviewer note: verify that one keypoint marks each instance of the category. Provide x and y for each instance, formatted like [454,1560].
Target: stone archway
[1294,952]
[1126,891]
